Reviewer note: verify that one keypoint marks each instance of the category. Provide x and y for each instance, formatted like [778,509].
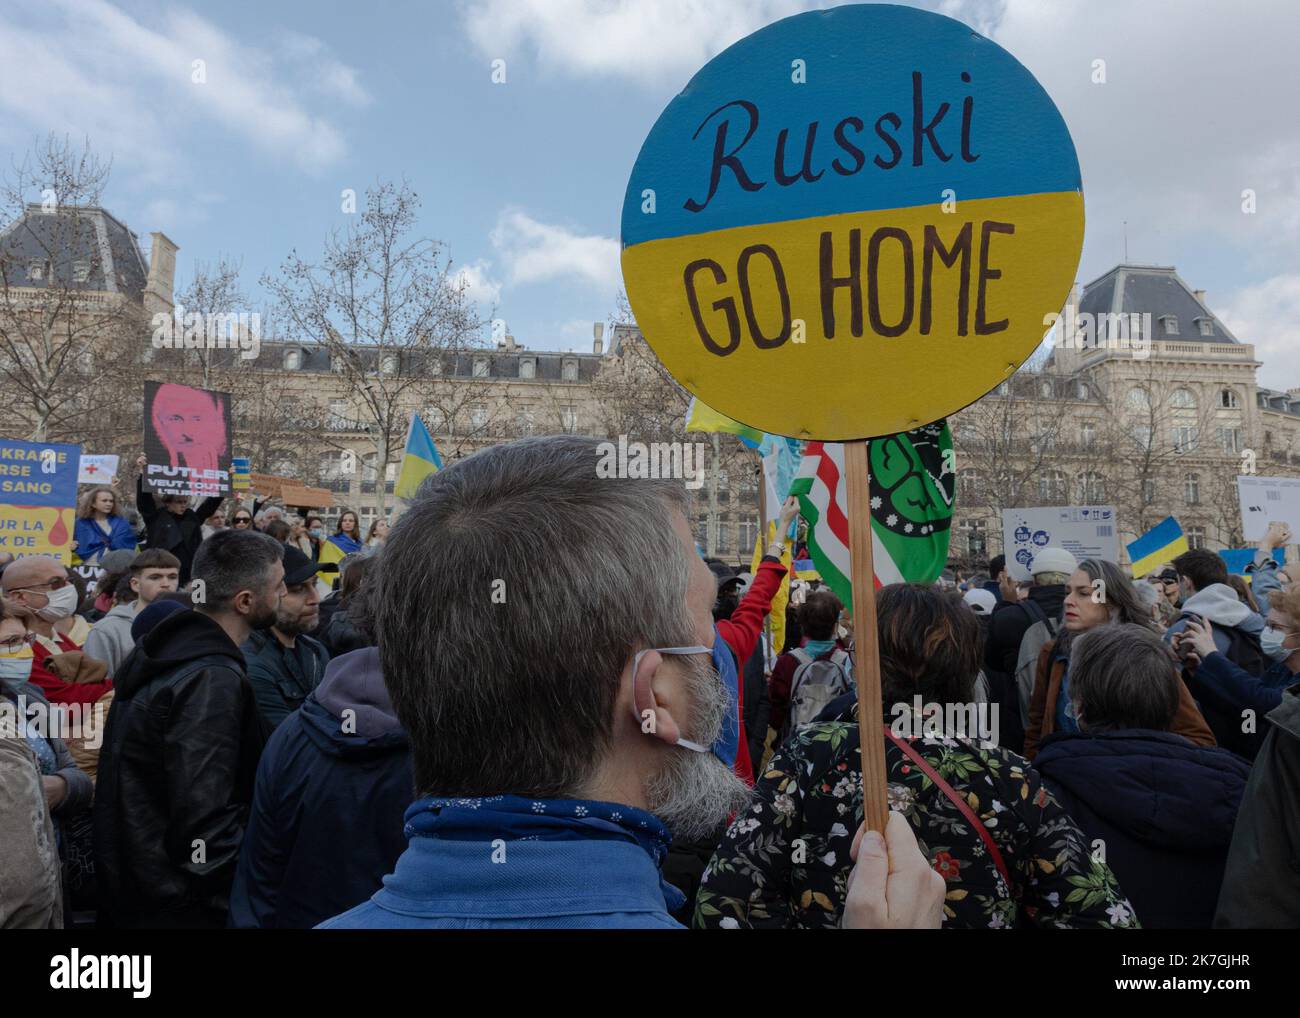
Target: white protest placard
[1266,500]
[1085,531]
[97,469]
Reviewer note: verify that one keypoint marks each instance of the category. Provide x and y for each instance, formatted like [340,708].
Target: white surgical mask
[15,670]
[62,603]
[1271,640]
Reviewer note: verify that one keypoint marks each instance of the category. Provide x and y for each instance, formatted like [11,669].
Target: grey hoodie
[1218,604]
[110,638]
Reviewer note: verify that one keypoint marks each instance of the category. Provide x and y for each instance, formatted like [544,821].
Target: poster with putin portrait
[186,440]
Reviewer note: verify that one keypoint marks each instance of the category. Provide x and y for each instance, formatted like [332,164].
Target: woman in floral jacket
[1010,853]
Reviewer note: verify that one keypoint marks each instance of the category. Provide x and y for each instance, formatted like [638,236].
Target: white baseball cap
[981,601]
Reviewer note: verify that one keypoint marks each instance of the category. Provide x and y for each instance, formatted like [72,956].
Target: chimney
[162,275]
[1200,296]
[510,343]
[598,332]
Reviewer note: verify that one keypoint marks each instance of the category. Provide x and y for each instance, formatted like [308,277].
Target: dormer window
[1206,326]
[36,271]
[527,367]
[292,359]
[388,365]
[569,372]
[80,272]
[337,364]
[1170,324]
[480,367]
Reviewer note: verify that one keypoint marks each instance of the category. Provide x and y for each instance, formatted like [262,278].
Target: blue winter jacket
[1224,691]
[475,863]
[91,542]
[1160,808]
[332,787]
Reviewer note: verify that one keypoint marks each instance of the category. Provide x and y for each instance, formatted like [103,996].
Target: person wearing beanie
[1050,568]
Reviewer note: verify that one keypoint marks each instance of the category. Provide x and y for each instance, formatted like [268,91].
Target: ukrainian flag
[1157,546]
[420,460]
[700,417]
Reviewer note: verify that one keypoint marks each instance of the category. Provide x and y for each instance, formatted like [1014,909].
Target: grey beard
[695,793]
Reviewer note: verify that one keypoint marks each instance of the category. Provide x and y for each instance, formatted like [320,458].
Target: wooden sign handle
[875,798]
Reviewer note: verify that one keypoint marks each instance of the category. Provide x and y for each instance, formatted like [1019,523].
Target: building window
[390,476]
[977,539]
[478,414]
[1206,325]
[80,272]
[1182,399]
[1195,538]
[724,535]
[388,365]
[1192,489]
[1170,323]
[524,420]
[569,372]
[35,272]
[330,471]
[1148,491]
[435,366]
[1088,435]
[1185,438]
[1138,401]
[338,415]
[1229,439]
[1081,391]
[435,419]
[1045,387]
[747,535]
[569,418]
[527,368]
[1052,487]
[970,485]
[1142,436]
[292,360]
[1092,488]
[480,367]
[1228,399]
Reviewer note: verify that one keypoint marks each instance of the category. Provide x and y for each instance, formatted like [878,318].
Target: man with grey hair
[1163,808]
[546,636]
[181,746]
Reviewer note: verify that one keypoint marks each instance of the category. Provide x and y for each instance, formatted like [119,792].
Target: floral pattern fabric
[784,863]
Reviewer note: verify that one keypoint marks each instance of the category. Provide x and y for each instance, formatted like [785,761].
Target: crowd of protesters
[533,703]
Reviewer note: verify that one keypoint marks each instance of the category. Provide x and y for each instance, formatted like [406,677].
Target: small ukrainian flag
[420,460]
[1160,544]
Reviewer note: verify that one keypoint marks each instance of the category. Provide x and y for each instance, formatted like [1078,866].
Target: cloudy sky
[524,180]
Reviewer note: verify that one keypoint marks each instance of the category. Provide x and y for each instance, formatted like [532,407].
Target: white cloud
[479,284]
[88,68]
[1267,314]
[535,252]
[319,67]
[665,40]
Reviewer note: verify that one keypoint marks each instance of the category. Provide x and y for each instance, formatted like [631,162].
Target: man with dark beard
[284,663]
[181,747]
[546,636]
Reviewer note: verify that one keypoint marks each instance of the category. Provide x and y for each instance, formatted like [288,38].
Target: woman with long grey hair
[1098,592]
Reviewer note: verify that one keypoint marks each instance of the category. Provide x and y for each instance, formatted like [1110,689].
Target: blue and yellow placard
[874,200]
[38,490]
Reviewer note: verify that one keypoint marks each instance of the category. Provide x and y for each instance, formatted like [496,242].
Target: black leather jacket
[176,778]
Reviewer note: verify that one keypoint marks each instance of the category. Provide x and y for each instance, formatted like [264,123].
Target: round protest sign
[852,223]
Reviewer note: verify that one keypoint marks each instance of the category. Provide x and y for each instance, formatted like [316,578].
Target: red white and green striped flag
[912,478]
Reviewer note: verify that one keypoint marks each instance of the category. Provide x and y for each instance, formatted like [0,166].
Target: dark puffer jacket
[327,820]
[1162,808]
[175,778]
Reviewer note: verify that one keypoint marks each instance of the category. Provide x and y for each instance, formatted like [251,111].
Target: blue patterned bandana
[516,817]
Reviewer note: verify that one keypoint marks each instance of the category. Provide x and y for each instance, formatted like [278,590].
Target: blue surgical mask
[727,744]
[1271,640]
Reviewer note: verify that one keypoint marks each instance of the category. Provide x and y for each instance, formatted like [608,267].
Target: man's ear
[650,694]
[135,584]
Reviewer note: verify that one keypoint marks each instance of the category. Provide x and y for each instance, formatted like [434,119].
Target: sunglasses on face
[58,583]
[243,521]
